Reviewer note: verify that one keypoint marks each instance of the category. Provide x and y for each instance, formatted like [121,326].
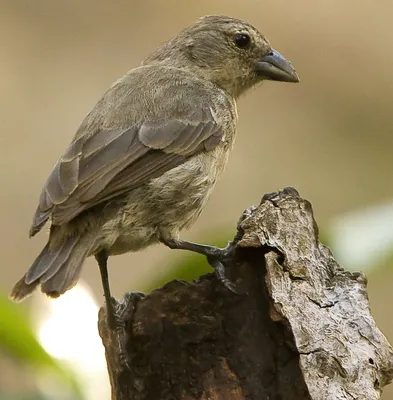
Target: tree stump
[298,328]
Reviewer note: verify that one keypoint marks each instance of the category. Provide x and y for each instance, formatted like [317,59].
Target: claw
[215,256]
[123,314]
[219,269]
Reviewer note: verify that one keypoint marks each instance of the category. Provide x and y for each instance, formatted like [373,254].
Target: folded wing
[108,163]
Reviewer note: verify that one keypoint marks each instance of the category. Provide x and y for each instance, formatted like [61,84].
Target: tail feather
[50,261]
[67,276]
[22,290]
[62,257]
[39,266]
[57,270]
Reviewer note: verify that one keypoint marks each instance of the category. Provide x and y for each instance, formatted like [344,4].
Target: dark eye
[242,40]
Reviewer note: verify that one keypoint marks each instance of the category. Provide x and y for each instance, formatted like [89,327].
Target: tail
[55,269]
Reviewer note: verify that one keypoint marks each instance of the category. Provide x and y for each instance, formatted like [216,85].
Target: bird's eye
[242,40]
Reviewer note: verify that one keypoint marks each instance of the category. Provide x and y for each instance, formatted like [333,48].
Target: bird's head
[228,52]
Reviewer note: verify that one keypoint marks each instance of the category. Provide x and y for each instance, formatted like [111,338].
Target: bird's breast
[182,193]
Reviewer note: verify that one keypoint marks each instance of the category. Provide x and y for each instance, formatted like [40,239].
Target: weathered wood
[299,328]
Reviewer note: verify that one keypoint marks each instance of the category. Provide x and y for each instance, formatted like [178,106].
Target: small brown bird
[145,160]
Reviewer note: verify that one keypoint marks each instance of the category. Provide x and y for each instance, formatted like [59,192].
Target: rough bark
[299,328]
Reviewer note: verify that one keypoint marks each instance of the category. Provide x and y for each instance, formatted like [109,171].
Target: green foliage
[17,338]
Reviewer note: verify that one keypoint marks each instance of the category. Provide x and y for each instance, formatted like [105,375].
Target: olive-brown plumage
[145,160]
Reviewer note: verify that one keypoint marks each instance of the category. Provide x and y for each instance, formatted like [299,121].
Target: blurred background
[330,136]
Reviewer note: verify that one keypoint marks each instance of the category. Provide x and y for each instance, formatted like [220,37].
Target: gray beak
[275,67]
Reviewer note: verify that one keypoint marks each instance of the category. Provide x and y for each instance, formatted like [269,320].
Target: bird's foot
[216,256]
[118,322]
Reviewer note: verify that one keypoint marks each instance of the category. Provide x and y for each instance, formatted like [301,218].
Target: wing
[108,163]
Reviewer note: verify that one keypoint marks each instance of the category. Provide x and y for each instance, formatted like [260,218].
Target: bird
[144,162]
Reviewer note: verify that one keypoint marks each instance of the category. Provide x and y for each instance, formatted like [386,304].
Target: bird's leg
[102,260]
[208,251]
[215,256]
[118,314]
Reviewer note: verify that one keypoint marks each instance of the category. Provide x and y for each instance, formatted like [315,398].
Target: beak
[275,67]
